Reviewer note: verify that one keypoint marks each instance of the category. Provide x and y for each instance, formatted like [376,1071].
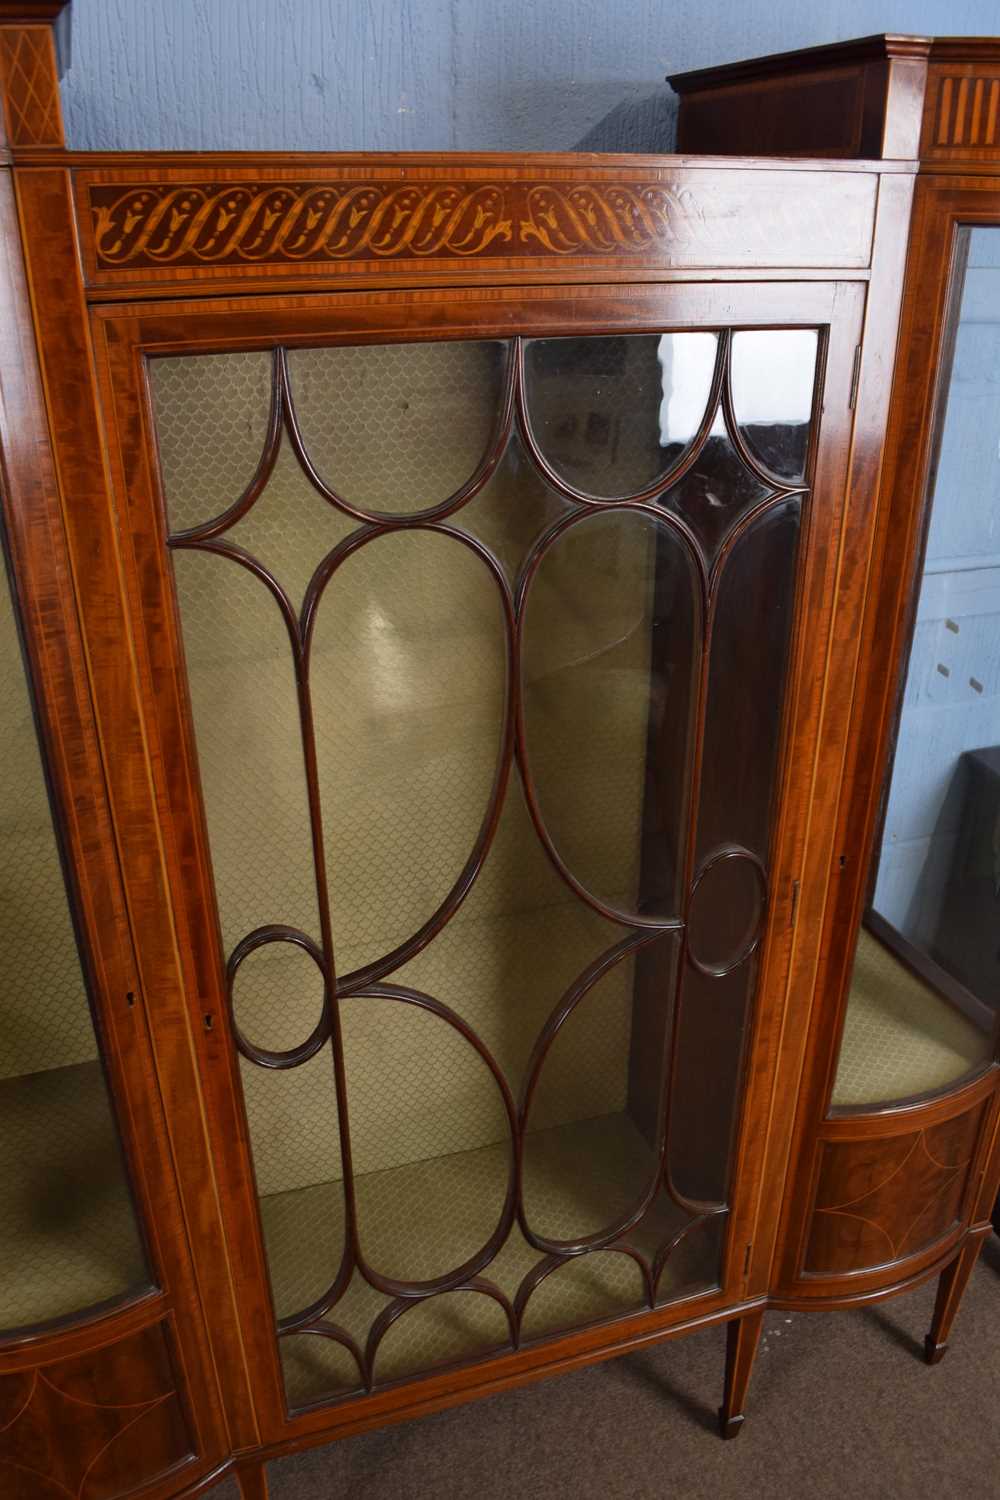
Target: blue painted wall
[434,75]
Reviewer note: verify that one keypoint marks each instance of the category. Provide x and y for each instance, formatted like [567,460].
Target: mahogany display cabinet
[895,1155]
[440,658]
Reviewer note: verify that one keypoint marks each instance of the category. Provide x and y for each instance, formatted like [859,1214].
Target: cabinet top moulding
[896,97]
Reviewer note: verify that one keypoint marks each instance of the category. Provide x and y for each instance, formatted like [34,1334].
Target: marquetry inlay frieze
[240,223]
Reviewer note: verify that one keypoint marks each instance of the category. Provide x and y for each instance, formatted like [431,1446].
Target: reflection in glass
[925,989]
[726,912]
[773,373]
[537,919]
[68,1234]
[716,492]
[612,415]
[751,634]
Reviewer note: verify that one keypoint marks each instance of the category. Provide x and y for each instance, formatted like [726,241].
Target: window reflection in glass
[772,382]
[612,415]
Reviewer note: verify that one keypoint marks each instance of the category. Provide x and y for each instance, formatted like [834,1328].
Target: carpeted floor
[841,1408]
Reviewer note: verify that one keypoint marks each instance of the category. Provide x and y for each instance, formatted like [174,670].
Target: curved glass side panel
[68,1233]
[925,987]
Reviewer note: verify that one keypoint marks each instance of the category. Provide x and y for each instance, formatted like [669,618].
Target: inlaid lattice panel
[30,86]
[446,610]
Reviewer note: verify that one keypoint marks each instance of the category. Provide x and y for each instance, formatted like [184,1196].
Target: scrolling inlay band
[249,223]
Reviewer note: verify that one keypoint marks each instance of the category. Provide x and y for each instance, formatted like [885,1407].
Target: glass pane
[245,708]
[773,372]
[747,675]
[925,988]
[613,415]
[513,510]
[295,1138]
[450,773]
[755,600]
[429,1138]
[315,1367]
[609,658]
[716,493]
[589,1159]
[441,1331]
[587,1289]
[68,1233]
[211,431]
[378,423]
[409,669]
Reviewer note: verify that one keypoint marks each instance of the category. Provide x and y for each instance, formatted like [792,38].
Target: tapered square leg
[252,1480]
[952,1283]
[742,1338]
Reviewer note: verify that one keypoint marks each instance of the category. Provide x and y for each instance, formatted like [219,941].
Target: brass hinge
[855,377]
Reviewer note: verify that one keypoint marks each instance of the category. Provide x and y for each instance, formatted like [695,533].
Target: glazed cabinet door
[479,637]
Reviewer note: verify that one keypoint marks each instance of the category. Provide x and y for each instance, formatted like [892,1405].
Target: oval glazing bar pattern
[508,623]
